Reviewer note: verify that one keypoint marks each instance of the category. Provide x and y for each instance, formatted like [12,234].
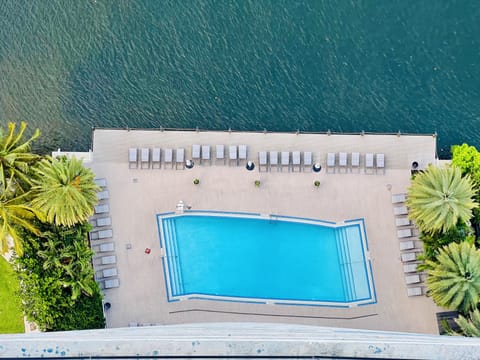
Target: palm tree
[469,326]
[15,158]
[64,190]
[454,278]
[439,198]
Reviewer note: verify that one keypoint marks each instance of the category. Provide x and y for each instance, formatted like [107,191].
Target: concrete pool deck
[137,195]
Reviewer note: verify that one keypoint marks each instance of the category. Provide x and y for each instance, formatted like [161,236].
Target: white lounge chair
[109,272]
[409,268]
[168,157]
[380,162]
[296,161]
[132,158]
[105,234]
[180,158]
[369,163]
[108,260]
[402,221]
[401,210]
[330,162]
[106,221]
[355,161]
[407,245]
[414,291]
[307,160]
[110,284]
[102,182]
[398,198]
[101,209]
[206,153]
[404,233]
[106,247]
[242,152]
[285,160]
[407,257]
[342,161]
[232,154]
[103,195]
[262,160]
[220,152]
[273,159]
[412,279]
[196,152]
[144,158]
[156,157]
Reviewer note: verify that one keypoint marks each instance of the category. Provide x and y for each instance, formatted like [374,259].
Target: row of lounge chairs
[294,161]
[409,253]
[373,163]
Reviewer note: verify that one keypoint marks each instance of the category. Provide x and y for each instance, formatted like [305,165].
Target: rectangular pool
[275,259]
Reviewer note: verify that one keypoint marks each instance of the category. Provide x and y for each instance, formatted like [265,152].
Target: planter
[316,183]
[257,183]
[196,181]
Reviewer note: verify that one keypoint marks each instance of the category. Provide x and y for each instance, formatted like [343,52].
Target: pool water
[276,259]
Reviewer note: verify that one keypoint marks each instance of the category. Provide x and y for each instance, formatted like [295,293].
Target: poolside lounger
[168,157]
[273,159]
[296,160]
[262,160]
[220,152]
[180,158]
[206,153]
[412,279]
[402,210]
[196,149]
[106,221]
[156,154]
[411,256]
[402,221]
[355,161]
[414,291]
[102,195]
[404,233]
[242,152]
[307,160]
[380,162]
[106,247]
[232,154]
[105,234]
[144,158]
[109,272]
[369,163]
[398,198]
[285,160]
[110,284]
[407,245]
[331,161]
[101,209]
[102,182]
[408,268]
[108,260]
[132,158]
[342,161]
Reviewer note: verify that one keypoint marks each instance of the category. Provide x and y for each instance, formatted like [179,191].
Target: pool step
[345,264]
[176,284]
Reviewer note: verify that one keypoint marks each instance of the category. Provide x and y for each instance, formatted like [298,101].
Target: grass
[11,316]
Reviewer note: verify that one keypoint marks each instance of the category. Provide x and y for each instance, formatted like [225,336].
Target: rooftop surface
[137,195]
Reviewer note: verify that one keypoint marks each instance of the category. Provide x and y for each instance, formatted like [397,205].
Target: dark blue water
[281,65]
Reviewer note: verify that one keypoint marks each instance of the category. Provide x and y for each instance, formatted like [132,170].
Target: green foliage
[470,325]
[432,242]
[454,278]
[439,198]
[467,158]
[11,316]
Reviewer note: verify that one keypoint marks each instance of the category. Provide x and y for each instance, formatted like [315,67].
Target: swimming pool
[272,259]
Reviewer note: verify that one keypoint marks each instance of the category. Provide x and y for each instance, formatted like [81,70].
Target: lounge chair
[402,210]
[355,161]
[380,162]
[330,162]
[407,245]
[412,279]
[109,272]
[196,152]
[398,198]
[369,163]
[232,154]
[108,260]
[102,182]
[407,257]
[220,152]
[105,234]
[273,159]
[402,221]
[101,209]
[414,291]
[262,160]
[110,284]
[206,153]
[180,158]
[307,160]
[132,158]
[106,221]
[296,163]
[409,268]
[156,155]
[404,233]
[103,195]
[285,160]
[168,157]
[144,158]
[242,153]
[342,161]
[107,247]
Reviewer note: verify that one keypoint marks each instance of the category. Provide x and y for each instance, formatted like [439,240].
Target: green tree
[433,241]
[467,158]
[15,157]
[454,278]
[470,325]
[439,198]
[64,190]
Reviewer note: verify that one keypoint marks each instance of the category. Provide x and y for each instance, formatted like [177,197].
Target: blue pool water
[258,258]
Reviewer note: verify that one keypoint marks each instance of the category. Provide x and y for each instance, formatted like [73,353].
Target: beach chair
[109,272]
[331,162]
[108,260]
[380,162]
[106,221]
[369,163]
[101,209]
[409,268]
[402,221]
[262,160]
[102,182]
[401,210]
[242,153]
[107,247]
[404,233]
[220,153]
[296,163]
[180,158]
[307,160]
[103,195]
[414,291]
[168,158]
[410,256]
[355,162]
[132,158]
[342,161]
[412,279]
[273,159]
[156,155]
[206,153]
[407,245]
[232,155]
[144,158]
[398,198]
[105,234]
[285,160]
[196,149]
[109,284]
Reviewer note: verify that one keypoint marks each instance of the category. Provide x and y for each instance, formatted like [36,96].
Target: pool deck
[137,195]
